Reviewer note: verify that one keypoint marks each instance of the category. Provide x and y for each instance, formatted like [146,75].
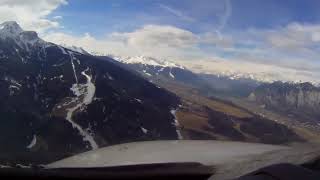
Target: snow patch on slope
[85,94]
[170,74]
[90,87]
[176,124]
[138,100]
[33,142]
[145,131]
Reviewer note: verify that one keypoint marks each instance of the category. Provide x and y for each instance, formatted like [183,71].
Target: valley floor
[201,117]
[309,132]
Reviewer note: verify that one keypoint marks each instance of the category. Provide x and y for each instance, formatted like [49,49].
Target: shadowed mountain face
[301,100]
[55,102]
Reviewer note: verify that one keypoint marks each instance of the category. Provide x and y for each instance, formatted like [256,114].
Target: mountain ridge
[61,102]
[231,75]
[298,99]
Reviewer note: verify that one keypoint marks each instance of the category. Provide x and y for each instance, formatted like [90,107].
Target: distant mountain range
[162,71]
[253,79]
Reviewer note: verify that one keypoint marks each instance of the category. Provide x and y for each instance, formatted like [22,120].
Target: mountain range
[301,100]
[55,102]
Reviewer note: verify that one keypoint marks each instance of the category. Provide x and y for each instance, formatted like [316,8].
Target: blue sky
[100,16]
[279,38]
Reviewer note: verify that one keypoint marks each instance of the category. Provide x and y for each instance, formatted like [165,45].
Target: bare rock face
[29,35]
[299,99]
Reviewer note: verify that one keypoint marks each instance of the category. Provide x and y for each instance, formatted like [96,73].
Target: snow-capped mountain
[150,66]
[261,77]
[162,72]
[11,31]
[146,61]
[263,73]
[55,102]
[223,70]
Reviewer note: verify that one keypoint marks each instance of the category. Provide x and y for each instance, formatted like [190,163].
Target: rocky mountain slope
[294,99]
[55,102]
[161,71]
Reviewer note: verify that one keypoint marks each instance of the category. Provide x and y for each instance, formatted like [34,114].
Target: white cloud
[217,39]
[294,46]
[57,17]
[86,41]
[295,36]
[159,36]
[244,68]
[150,40]
[30,14]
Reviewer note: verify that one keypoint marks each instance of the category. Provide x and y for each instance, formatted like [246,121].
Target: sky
[278,39]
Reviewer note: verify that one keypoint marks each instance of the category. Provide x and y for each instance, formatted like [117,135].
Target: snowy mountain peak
[24,39]
[146,61]
[10,28]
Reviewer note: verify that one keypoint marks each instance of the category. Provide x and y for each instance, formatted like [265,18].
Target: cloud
[88,42]
[295,36]
[293,46]
[216,39]
[57,17]
[158,36]
[263,72]
[177,13]
[30,14]
[151,40]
